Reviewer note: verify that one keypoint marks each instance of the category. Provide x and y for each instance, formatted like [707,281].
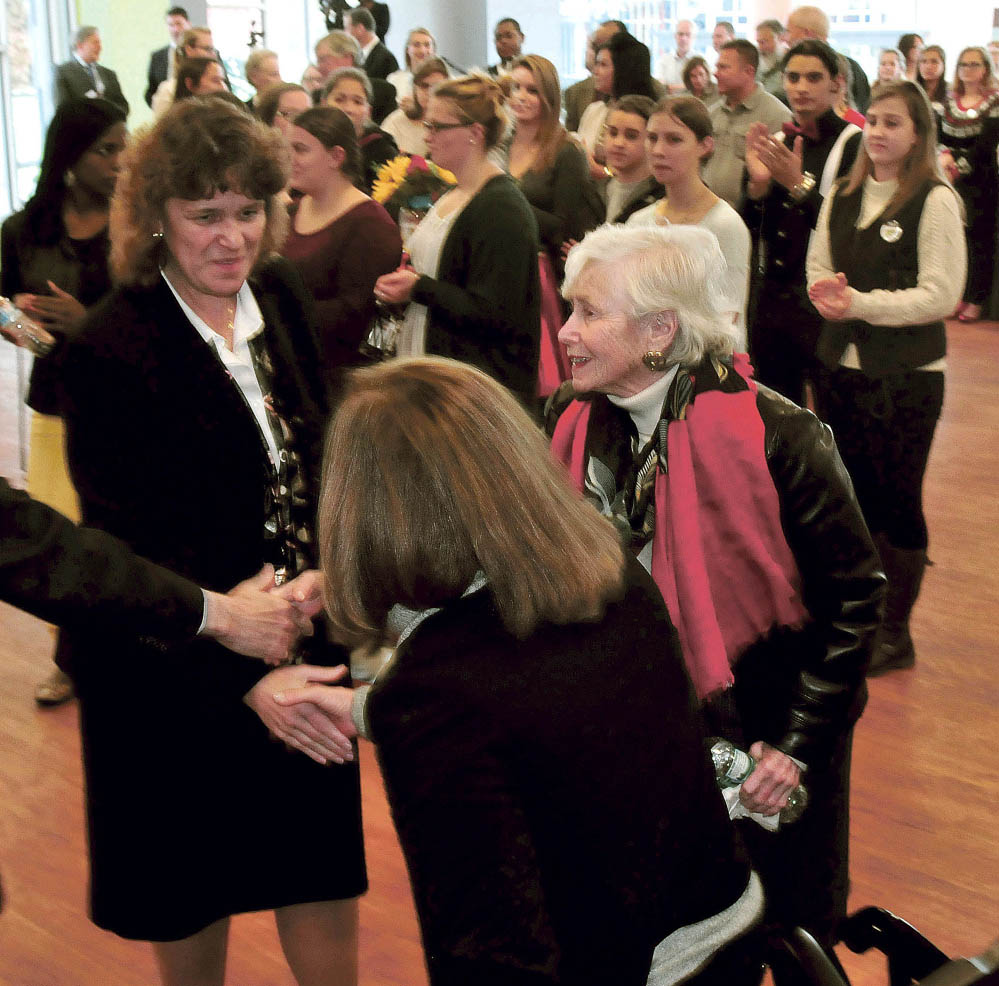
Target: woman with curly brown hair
[189,392]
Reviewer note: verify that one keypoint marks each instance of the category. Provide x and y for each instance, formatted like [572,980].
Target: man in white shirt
[81,76]
[743,103]
[669,70]
[161,61]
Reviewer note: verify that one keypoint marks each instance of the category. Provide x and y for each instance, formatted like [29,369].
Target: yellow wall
[130,32]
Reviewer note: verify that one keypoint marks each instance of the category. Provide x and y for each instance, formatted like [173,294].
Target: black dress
[972,136]
[193,812]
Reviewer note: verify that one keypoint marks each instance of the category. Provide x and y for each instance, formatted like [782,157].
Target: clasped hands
[832,297]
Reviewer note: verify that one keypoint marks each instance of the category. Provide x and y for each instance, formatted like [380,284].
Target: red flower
[417,164]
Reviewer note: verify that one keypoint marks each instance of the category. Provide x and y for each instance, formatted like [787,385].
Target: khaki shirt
[723,171]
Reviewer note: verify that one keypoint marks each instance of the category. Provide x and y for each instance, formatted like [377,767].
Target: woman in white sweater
[886,265]
[680,136]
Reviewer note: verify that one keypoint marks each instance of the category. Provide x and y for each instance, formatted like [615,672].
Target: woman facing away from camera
[545,770]
[190,392]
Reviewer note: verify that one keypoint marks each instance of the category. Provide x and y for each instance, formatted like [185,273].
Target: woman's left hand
[832,297]
[303,726]
[775,776]
[60,310]
[396,287]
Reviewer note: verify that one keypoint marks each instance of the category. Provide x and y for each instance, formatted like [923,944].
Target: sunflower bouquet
[410,182]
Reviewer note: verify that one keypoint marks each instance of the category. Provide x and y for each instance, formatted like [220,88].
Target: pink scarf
[719,555]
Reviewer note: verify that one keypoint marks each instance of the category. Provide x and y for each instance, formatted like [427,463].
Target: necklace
[230,318]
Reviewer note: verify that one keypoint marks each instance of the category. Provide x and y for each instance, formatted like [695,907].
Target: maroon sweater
[339,265]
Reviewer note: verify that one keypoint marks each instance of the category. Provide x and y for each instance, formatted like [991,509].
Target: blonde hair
[989,83]
[551,134]
[201,146]
[672,268]
[479,99]
[433,472]
[920,165]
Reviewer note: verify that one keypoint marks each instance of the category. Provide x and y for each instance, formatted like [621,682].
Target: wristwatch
[803,188]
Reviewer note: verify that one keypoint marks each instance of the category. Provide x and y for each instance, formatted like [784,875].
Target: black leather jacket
[802,690]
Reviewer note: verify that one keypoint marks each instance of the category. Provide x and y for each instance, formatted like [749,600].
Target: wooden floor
[926,768]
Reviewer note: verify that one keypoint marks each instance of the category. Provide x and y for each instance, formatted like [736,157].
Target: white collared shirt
[238,363]
[95,76]
[368,48]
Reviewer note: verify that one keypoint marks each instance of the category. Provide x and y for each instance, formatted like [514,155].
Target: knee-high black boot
[893,648]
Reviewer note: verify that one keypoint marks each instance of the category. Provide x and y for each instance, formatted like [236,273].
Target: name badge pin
[891,232]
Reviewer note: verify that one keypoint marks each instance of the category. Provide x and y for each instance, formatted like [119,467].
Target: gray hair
[340,43]
[358,75]
[256,58]
[674,268]
[82,33]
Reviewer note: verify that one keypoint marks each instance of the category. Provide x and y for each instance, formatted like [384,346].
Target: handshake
[300,704]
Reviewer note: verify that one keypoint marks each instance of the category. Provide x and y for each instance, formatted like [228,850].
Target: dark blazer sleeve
[66,84]
[158,71]
[78,577]
[112,88]
[380,62]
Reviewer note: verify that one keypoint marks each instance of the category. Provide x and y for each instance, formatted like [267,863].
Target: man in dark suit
[161,60]
[509,41]
[376,59]
[335,10]
[76,576]
[81,76]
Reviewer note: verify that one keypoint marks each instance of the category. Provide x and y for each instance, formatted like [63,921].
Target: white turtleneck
[646,407]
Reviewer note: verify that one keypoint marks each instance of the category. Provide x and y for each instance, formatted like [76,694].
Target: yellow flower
[390,176]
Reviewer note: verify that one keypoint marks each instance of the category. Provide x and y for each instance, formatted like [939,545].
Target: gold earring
[656,361]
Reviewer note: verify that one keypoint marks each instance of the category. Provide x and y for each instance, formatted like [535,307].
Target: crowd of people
[646,452]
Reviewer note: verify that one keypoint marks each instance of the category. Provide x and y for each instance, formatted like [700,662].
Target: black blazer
[77,577]
[380,62]
[72,81]
[162,448]
[159,69]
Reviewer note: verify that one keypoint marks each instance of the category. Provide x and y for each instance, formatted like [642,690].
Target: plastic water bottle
[733,766]
[24,331]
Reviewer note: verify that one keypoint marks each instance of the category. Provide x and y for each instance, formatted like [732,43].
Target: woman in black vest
[886,265]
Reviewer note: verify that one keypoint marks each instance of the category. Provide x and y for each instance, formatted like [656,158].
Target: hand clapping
[831,297]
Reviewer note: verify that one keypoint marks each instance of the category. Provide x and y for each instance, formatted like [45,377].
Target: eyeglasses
[970,65]
[287,114]
[433,127]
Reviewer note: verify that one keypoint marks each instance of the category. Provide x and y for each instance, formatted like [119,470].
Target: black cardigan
[552,795]
[485,303]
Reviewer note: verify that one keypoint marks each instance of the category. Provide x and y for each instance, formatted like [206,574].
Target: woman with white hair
[737,502]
